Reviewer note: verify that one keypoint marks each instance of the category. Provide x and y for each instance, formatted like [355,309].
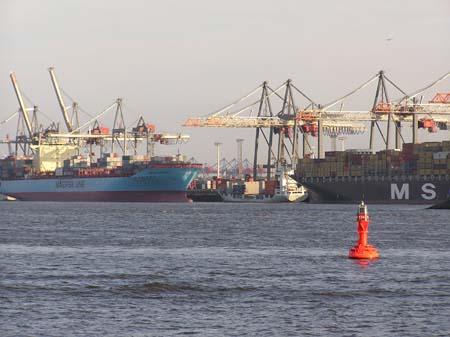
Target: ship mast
[60,99]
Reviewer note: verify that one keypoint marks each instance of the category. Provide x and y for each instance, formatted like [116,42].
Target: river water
[213,269]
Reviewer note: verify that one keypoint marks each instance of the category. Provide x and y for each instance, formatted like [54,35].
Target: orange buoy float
[363,250]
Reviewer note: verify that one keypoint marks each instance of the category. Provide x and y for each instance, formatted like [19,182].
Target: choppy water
[84,269]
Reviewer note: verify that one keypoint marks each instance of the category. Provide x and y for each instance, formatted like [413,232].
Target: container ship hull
[417,174]
[149,185]
[399,191]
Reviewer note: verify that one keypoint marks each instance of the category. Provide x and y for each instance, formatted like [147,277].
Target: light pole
[218,158]
[239,157]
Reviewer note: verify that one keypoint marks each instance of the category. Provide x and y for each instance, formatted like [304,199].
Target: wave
[166,287]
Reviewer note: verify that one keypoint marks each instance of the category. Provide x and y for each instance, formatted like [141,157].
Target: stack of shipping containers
[432,158]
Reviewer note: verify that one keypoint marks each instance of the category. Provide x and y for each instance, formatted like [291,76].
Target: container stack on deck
[78,161]
[15,166]
[432,158]
[110,160]
[19,167]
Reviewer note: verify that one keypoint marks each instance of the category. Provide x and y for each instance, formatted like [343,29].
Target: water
[85,269]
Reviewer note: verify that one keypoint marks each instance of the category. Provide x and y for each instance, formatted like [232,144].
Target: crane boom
[63,107]
[21,104]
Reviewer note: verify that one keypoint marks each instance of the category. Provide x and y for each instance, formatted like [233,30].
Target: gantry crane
[62,105]
[90,133]
[320,120]
[275,114]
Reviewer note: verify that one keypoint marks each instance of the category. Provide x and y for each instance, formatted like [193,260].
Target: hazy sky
[171,60]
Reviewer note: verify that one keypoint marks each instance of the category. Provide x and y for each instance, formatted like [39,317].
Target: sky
[170,60]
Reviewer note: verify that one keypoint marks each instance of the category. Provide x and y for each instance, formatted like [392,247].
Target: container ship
[417,174]
[83,162]
[111,178]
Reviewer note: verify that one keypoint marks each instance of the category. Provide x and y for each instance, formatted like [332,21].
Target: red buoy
[363,250]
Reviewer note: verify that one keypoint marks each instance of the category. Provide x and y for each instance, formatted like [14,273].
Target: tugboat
[287,190]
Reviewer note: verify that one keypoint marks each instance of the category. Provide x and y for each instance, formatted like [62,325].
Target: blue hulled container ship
[154,183]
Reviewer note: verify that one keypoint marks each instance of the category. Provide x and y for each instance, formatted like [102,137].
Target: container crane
[33,137]
[62,105]
[275,110]
[321,120]
[23,108]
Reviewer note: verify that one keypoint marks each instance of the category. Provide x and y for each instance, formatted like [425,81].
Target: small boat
[288,190]
[6,198]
